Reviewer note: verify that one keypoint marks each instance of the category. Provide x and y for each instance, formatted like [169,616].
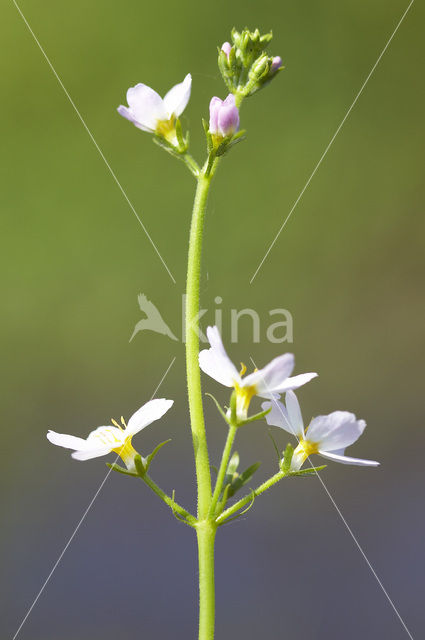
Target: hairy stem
[170,502]
[248,498]
[206,536]
[223,468]
[197,424]
[205,527]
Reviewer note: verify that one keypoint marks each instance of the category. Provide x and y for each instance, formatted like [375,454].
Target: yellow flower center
[304,449]
[244,396]
[167,129]
[126,452]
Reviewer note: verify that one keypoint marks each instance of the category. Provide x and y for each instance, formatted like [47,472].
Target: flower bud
[260,67]
[276,63]
[224,116]
[226,47]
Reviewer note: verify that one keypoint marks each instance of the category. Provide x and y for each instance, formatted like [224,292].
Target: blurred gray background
[348,266]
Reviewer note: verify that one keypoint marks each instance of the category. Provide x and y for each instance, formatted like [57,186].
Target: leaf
[152,455]
[242,479]
[257,416]
[117,467]
[233,463]
[207,135]
[308,472]
[233,402]
[287,458]
[161,142]
[177,515]
[275,446]
[242,512]
[179,135]
[238,137]
[224,499]
[140,465]
[217,404]
[231,470]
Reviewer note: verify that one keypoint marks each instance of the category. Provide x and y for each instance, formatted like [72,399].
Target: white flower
[326,435]
[149,112]
[268,382]
[104,440]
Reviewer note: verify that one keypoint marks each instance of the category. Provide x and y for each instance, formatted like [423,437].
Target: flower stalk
[223,468]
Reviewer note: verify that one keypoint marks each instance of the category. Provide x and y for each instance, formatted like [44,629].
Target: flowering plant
[246,68]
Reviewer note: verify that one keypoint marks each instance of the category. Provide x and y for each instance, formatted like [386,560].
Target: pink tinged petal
[295,382]
[128,114]
[125,113]
[67,441]
[228,117]
[226,47]
[294,413]
[278,417]
[151,411]
[348,460]
[335,431]
[175,101]
[216,363]
[272,376]
[215,105]
[276,63]
[146,106]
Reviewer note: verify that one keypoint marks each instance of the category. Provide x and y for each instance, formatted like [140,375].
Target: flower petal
[216,363]
[91,453]
[278,417]
[64,440]
[146,106]
[226,47]
[228,117]
[215,105]
[335,431]
[295,382]
[272,376]
[294,413]
[151,411]
[127,113]
[175,101]
[348,460]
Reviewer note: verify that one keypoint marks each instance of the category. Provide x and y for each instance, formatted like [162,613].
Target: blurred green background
[348,265]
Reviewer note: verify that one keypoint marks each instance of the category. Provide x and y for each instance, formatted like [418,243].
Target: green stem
[205,527]
[243,501]
[170,502]
[192,347]
[223,468]
[206,531]
[191,163]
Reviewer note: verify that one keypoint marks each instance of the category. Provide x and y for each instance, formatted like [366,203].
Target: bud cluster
[244,65]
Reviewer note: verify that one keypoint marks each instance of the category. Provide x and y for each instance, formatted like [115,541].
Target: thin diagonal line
[61,555]
[330,143]
[364,556]
[163,378]
[80,523]
[94,142]
[345,523]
